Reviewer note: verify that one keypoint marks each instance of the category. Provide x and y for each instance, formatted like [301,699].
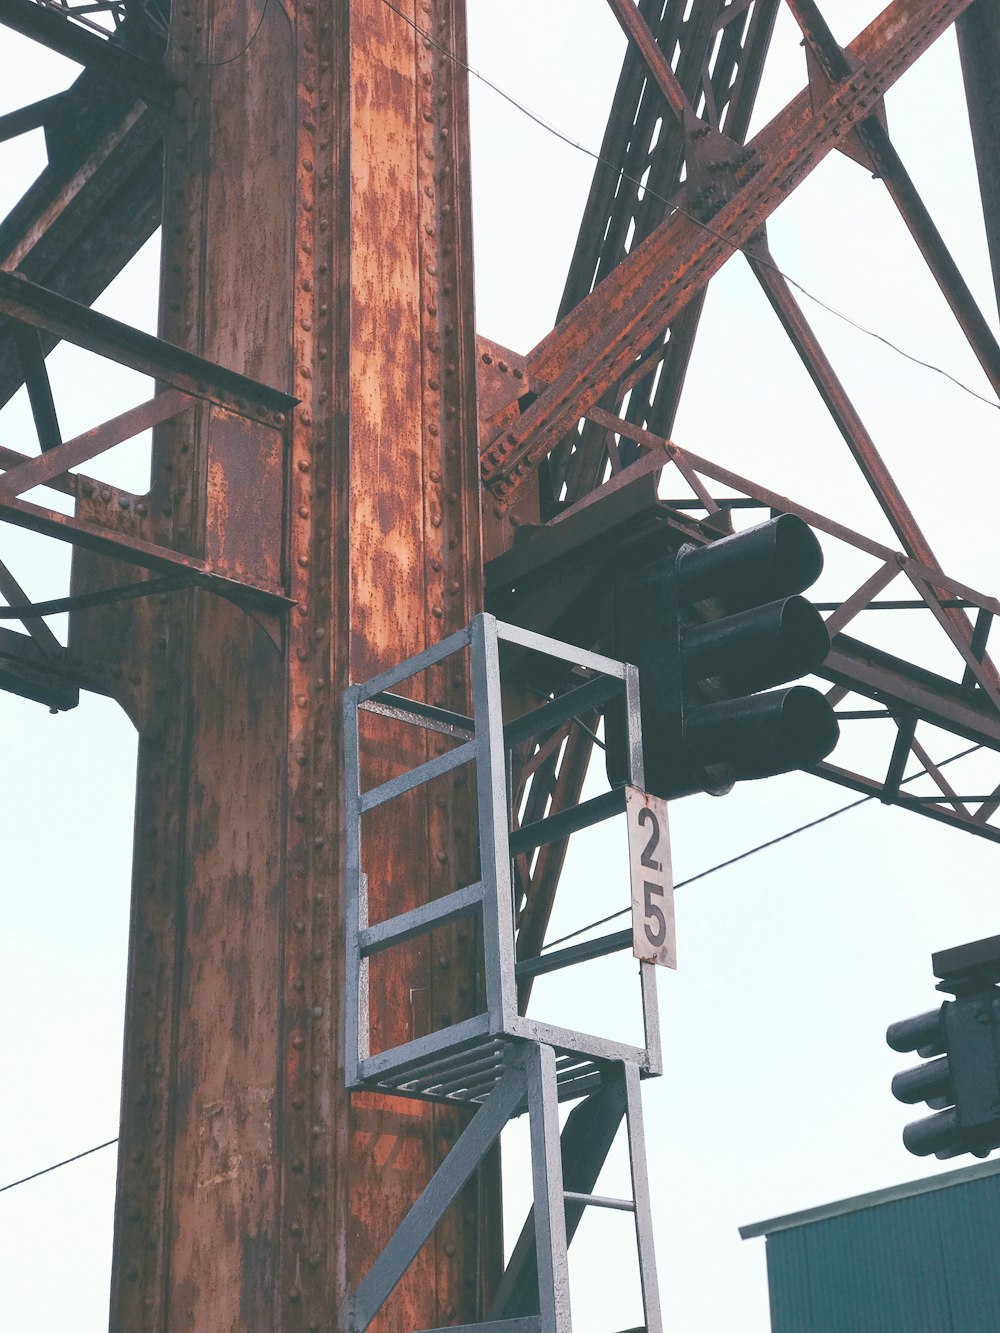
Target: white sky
[776,1095]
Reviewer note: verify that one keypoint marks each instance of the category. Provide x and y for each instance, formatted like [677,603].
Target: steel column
[316,237]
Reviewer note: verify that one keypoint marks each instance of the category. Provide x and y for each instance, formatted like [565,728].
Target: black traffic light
[961,1043]
[708,627]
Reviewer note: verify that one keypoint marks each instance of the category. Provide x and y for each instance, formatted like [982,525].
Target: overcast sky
[791,964]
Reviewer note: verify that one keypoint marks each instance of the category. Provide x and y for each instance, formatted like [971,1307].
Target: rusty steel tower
[343,475]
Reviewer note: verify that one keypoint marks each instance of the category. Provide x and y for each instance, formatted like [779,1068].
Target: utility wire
[676,208]
[217,64]
[751,851]
[742,856]
[56,1165]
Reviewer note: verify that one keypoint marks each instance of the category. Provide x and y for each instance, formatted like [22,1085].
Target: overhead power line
[563,939]
[238,55]
[761,846]
[676,208]
[56,1165]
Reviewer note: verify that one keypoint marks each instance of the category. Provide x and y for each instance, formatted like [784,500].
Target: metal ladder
[503,1062]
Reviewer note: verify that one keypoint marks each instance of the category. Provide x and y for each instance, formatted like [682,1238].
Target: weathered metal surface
[968,708]
[979,47]
[205,1036]
[415,571]
[880,156]
[27,670]
[202,377]
[846,416]
[31,117]
[44,467]
[596,343]
[15,595]
[46,25]
[354,225]
[227,581]
[91,208]
[639,33]
[233,1084]
[719,56]
[36,380]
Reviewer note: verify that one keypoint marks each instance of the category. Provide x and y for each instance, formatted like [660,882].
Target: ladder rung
[599,1201]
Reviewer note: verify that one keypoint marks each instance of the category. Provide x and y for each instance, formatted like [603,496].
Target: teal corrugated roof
[923,1258]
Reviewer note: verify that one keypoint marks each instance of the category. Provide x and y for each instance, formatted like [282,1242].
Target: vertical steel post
[547,1177]
[316,236]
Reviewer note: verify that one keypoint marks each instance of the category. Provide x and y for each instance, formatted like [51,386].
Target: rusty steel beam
[968,708]
[39,308]
[824,377]
[719,60]
[979,48]
[12,593]
[146,78]
[36,379]
[27,118]
[930,810]
[45,467]
[880,154]
[904,687]
[638,31]
[91,209]
[253,1190]
[28,671]
[90,536]
[595,344]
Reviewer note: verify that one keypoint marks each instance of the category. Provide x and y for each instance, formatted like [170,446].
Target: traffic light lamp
[708,627]
[961,1043]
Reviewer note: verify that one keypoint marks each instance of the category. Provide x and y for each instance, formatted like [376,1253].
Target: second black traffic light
[961,1043]
[708,628]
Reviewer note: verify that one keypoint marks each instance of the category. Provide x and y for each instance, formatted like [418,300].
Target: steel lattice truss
[593,404]
[603,387]
[259,492]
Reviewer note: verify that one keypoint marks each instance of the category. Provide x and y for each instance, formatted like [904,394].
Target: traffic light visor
[758,565]
[765,734]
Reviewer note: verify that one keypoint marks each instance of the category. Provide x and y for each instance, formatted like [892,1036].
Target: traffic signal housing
[960,1041]
[708,627]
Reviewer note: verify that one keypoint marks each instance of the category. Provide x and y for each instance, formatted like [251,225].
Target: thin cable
[56,1165]
[772,842]
[879,337]
[676,208]
[217,64]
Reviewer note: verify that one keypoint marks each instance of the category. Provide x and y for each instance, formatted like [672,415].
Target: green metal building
[923,1257]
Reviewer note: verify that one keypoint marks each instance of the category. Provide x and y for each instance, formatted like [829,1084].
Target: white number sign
[653,935]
